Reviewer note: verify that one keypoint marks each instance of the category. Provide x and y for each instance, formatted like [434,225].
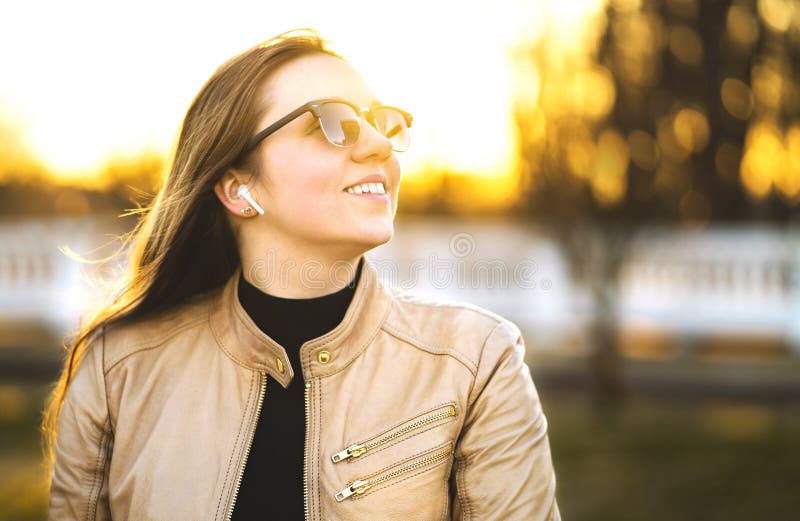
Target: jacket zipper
[305,453]
[249,444]
[359,486]
[357,449]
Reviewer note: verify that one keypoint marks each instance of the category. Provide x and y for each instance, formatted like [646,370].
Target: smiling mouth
[367,188]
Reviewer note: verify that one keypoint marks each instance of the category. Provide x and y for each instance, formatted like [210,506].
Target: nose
[370,144]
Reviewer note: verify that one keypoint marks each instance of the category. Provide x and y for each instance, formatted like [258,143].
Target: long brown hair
[183,244]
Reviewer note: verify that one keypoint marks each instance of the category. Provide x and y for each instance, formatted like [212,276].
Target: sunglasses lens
[392,124]
[340,123]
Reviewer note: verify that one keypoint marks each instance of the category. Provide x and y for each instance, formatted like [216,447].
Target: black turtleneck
[273,475]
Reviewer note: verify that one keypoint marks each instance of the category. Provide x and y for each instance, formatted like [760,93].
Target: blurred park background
[621,178]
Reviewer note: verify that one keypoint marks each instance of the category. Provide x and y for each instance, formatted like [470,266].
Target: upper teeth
[372,188]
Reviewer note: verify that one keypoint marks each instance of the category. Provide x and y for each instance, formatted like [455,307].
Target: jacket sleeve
[503,468]
[79,487]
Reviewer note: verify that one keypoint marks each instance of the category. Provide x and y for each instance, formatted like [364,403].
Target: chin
[373,238]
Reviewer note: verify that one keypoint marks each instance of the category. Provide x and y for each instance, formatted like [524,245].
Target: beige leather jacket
[416,409]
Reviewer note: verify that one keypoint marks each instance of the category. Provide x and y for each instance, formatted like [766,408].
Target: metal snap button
[280,365]
[324,357]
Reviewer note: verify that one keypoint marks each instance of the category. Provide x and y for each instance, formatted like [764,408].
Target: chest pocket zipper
[407,427]
[359,486]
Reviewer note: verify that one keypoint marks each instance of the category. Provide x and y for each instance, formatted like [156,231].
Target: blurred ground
[23,495]
[659,460]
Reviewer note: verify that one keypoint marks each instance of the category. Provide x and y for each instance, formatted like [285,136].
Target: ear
[226,191]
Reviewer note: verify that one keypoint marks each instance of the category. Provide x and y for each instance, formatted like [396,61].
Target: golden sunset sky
[86,82]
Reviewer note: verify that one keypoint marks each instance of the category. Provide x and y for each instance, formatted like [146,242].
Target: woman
[254,368]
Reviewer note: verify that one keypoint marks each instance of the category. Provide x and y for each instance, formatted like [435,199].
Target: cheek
[394,173]
[303,178]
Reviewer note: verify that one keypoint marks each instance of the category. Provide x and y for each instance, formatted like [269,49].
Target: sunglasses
[340,121]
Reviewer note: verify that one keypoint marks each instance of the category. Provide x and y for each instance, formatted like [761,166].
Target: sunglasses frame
[314,108]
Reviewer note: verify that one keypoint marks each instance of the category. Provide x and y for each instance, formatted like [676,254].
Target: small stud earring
[247,211]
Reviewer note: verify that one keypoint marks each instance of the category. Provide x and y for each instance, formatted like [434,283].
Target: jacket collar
[246,344]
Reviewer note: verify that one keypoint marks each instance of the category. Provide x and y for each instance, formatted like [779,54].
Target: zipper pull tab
[356,487]
[351,451]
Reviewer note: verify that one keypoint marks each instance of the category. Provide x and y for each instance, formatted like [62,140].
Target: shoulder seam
[439,350]
[471,401]
[151,344]
[455,305]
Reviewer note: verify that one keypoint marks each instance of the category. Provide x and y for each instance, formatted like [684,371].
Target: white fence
[735,280]
[39,283]
[732,280]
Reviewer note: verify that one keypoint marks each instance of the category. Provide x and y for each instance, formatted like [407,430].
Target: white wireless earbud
[243,191]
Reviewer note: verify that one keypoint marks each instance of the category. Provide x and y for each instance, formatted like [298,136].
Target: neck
[298,276]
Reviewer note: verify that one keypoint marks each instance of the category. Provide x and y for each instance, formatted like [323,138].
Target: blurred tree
[27,188]
[667,111]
